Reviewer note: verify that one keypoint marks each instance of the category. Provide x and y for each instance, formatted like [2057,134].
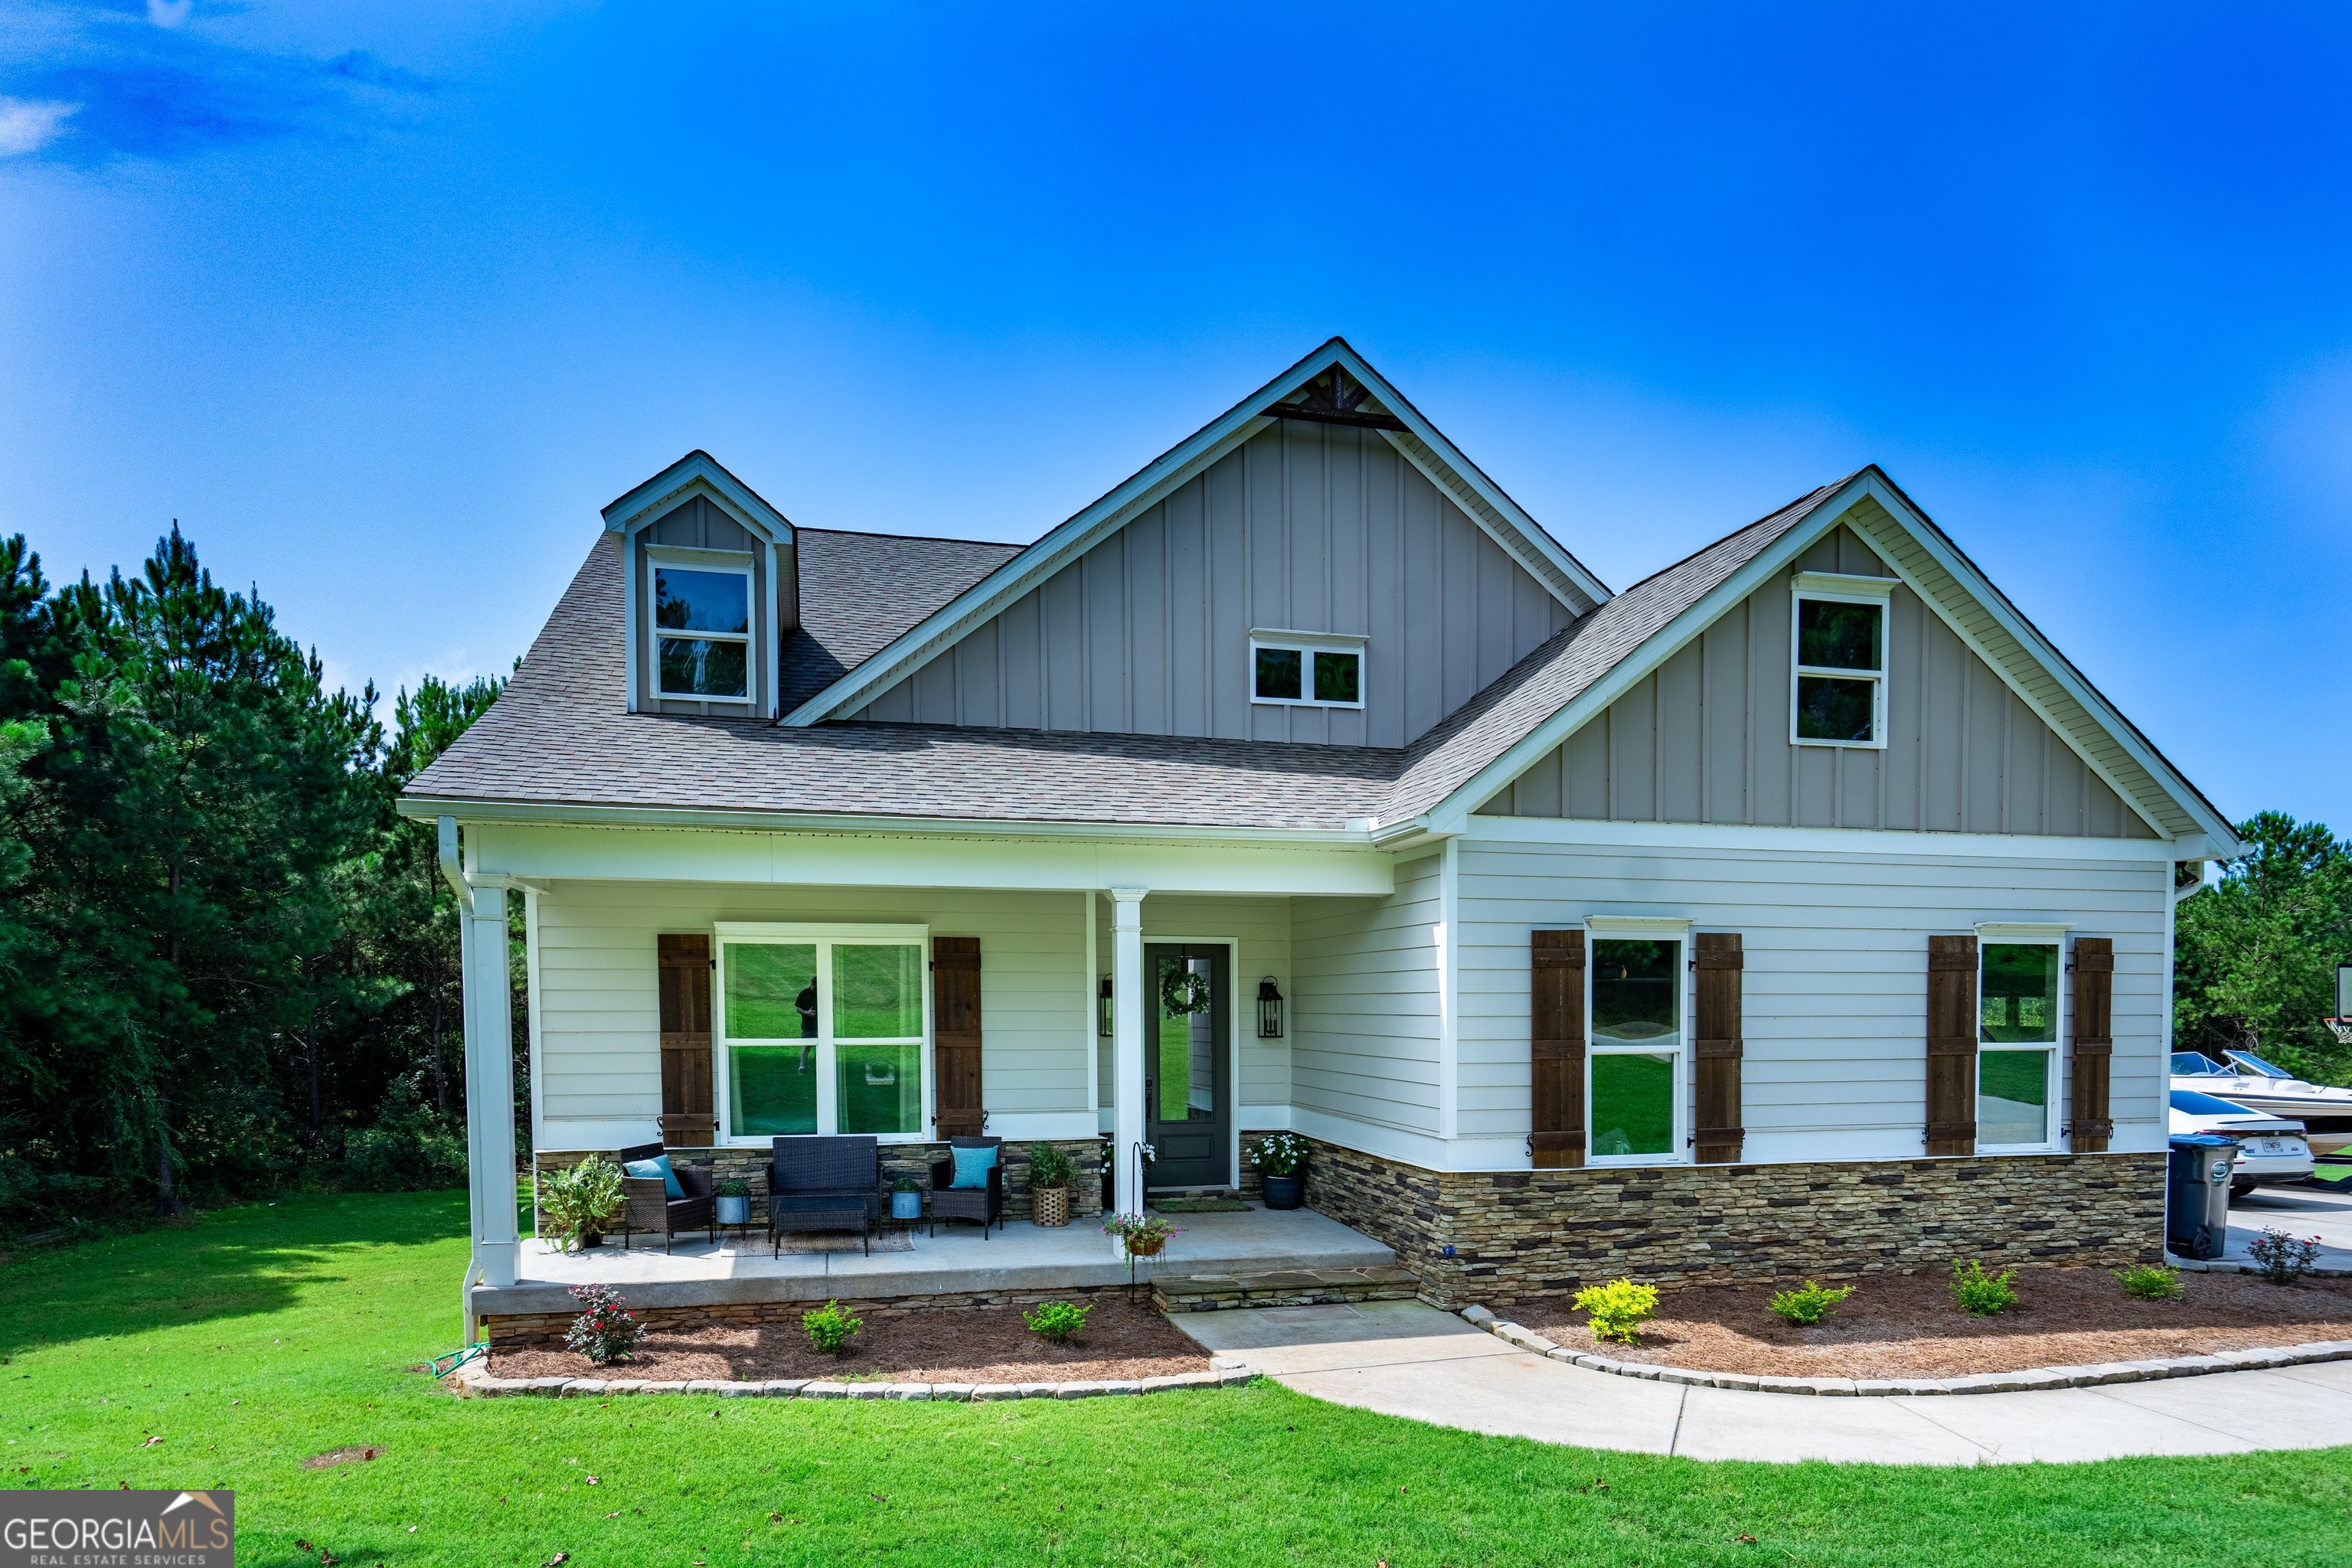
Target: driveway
[2313,1210]
[1408,1359]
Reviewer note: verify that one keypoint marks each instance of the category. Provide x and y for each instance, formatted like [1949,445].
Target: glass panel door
[1187,1044]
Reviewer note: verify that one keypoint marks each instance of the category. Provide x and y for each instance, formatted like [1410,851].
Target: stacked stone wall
[1504,1235]
[518,1330]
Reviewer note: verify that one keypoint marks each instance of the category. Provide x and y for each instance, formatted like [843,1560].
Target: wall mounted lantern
[1102,1024]
[1269,1010]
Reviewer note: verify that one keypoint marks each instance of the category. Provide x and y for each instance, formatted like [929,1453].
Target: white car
[2272,1150]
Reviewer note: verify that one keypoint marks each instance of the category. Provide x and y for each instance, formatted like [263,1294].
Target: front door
[1188,1098]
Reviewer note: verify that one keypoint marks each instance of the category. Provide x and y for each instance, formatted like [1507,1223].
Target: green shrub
[1049,1167]
[830,1329]
[1057,1320]
[1980,1294]
[582,1199]
[1809,1306]
[2151,1282]
[1618,1310]
[409,1149]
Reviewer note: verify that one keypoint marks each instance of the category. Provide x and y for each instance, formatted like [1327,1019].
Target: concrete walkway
[1405,1358]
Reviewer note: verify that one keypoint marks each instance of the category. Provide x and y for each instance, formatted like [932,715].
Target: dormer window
[702,631]
[1305,670]
[1839,664]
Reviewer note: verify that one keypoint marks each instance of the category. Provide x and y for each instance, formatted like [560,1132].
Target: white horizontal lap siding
[1835,983]
[599,1006]
[1365,1004]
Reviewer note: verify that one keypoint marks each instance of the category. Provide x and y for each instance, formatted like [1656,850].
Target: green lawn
[260,1335]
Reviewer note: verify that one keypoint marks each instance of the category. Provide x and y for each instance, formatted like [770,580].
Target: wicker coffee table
[782,1220]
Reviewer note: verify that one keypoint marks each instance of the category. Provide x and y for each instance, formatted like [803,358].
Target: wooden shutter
[1556,1048]
[955,1036]
[1951,1045]
[2092,1009]
[685,963]
[1720,964]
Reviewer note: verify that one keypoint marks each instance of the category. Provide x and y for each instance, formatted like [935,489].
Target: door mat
[845,1241]
[1199,1205]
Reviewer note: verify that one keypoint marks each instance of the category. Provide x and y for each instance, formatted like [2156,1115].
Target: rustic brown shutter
[1556,1048]
[1951,1045]
[1721,967]
[2095,1046]
[685,1122]
[955,1036]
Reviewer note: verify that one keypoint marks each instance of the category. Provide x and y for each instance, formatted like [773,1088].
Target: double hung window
[822,1029]
[1636,1054]
[1839,636]
[1307,670]
[2017,1045]
[702,630]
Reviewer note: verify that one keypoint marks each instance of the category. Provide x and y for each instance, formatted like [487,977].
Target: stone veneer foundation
[751,1163]
[545,1331]
[1493,1236]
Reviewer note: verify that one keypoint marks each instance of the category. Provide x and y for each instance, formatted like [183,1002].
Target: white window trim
[1626,928]
[1307,644]
[1842,588]
[2054,1106]
[736,561]
[824,936]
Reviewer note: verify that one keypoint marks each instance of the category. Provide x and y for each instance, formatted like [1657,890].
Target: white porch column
[489,1066]
[1128,1004]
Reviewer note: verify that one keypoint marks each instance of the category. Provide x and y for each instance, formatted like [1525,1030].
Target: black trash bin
[2196,1195]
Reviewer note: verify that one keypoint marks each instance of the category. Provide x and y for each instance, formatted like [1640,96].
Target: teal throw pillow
[656,1166]
[973,1166]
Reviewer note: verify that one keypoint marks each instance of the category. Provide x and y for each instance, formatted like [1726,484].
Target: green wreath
[1182,992]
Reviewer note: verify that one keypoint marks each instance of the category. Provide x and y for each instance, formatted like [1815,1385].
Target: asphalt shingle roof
[561,734]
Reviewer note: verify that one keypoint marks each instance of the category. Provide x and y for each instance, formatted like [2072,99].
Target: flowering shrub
[2282,1258]
[1809,1306]
[605,1329]
[1057,1320]
[1279,1153]
[1618,1310]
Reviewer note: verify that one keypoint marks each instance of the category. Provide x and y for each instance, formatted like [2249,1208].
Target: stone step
[1281,1288]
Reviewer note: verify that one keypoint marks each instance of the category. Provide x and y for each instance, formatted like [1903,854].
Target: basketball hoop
[2343,1029]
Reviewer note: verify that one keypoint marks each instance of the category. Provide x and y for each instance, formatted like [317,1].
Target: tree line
[226,965]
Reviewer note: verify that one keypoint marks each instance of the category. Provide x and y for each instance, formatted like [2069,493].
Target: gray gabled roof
[859,591]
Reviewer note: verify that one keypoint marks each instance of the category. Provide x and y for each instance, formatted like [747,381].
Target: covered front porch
[1252,1257]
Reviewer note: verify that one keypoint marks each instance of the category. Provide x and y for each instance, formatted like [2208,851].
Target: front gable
[1704,737]
[1319,528]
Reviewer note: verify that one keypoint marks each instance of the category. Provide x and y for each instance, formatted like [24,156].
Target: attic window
[1295,669]
[702,629]
[1838,638]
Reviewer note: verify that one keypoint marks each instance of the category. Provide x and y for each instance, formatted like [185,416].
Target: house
[1799,907]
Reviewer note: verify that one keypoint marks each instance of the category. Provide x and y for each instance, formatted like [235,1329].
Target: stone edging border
[2033,1379]
[1224,1372]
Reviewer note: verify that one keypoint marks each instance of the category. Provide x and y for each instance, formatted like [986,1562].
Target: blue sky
[384,300]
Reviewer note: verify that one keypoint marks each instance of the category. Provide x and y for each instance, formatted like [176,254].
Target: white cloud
[28,125]
[169,13]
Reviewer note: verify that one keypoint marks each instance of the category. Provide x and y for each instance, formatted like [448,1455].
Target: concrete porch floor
[1021,1256]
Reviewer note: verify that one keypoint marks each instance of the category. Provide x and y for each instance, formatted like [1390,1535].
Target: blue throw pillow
[656,1166]
[973,1166]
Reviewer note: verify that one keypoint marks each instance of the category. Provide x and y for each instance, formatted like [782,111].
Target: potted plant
[581,1201]
[1050,1176]
[1281,1160]
[1137,1235]
[906,1199]
[734,1201]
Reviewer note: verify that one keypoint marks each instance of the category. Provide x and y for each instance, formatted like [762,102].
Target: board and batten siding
[1303,528]
[1705,739]
[1836,976]
[597,1056]
[1367,1008]
[1260,931]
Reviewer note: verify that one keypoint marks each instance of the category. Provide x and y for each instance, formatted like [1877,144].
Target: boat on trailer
[2244,1079]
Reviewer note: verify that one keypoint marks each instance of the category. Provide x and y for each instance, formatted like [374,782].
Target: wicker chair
[647,1205]
[985,1204]
[824,1184]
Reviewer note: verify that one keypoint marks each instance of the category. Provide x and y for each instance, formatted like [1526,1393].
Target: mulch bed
[1905,1325]
[961,1344]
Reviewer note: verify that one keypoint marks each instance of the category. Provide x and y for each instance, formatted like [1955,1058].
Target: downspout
[453,868]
